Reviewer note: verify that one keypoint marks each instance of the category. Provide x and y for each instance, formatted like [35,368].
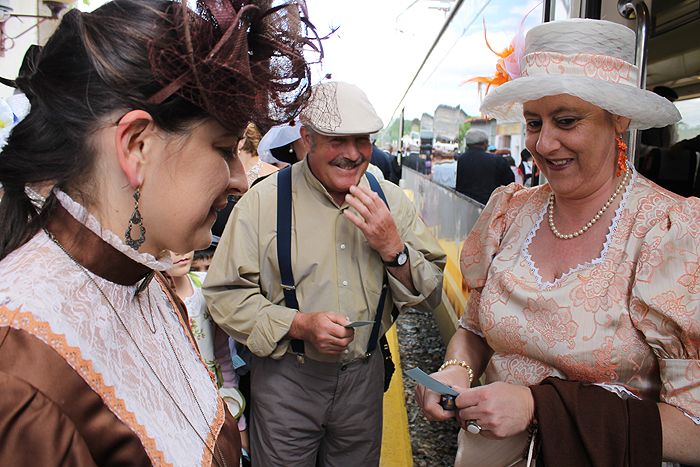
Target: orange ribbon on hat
[508,66]
[502,75]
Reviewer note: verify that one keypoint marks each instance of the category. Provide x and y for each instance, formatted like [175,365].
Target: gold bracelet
[461,363]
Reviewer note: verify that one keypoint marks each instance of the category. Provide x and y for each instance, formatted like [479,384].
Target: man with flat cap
[317,383]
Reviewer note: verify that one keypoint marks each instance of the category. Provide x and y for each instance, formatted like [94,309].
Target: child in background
[202,259]
[212,341]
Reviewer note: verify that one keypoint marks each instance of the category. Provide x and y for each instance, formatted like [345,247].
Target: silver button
[342,246]
[345,282]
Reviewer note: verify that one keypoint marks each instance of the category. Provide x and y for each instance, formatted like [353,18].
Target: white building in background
[447,122]
[426,126]
[502,135]
[12,47]
[509,135]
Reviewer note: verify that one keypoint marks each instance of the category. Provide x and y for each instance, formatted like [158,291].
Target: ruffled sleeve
[480,247]
[665,303]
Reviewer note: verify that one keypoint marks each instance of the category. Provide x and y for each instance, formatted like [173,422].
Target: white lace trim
[466,327]
[254,172]
[41,279]
[544,285]
[621,391]
[88,220]
[624,393]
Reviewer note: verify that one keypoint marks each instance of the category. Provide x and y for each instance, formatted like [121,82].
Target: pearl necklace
[589,224]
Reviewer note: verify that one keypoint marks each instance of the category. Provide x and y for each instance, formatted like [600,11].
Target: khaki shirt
[334,268]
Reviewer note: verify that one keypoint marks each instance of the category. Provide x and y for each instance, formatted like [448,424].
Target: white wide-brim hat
[589,59]
[276,137]
[337,108]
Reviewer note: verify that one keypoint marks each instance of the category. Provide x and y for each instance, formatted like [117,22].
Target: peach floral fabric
[627,319]
[601,67]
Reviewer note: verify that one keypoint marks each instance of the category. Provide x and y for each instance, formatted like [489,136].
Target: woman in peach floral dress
[592,278]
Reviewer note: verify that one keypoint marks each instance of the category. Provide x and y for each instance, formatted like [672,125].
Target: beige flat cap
[338,109]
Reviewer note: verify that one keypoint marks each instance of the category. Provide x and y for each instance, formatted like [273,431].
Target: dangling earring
[137,220]
[621,156]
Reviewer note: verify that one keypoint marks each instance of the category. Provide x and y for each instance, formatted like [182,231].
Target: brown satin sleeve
[229,442]
[50,416]
[582,425]
[34,431]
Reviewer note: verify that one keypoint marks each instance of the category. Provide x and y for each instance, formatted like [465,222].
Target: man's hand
[374,220]
[324,330]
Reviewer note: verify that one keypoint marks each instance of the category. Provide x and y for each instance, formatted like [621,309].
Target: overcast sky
[380,44]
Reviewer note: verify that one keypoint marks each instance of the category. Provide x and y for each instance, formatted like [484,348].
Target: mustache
[345,163]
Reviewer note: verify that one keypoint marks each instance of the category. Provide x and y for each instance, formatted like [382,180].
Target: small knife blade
[431,383]
[358,324]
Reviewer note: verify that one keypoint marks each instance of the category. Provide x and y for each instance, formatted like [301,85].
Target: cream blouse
[147,378]
[628,320]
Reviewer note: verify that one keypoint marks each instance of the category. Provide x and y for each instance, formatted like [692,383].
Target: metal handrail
[637,10]
[548,11]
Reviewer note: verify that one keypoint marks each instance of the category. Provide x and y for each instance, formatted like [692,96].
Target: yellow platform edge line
[396,440]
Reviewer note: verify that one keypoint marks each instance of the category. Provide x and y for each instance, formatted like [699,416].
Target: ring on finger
[473,427]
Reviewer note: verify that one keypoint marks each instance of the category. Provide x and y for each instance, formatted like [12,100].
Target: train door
[668,54]
[669,156]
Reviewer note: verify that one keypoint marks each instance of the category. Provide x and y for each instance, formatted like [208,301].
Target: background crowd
[179,287]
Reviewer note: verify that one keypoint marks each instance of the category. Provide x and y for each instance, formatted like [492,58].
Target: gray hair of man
[474,137]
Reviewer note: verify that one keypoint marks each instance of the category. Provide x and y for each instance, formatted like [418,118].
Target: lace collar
[86,220]
[545,285]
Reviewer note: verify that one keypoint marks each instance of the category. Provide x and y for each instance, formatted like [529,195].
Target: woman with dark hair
[526,167]
[136,112]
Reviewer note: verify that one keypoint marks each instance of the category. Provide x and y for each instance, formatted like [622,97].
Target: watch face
[403,257]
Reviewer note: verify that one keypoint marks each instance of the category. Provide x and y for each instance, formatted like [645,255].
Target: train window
[562,9]
[674,53]
[673,61]
[689,127]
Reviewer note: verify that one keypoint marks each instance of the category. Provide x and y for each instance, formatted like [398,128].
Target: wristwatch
[400,259]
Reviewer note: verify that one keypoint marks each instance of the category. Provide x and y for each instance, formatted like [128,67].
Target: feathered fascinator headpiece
[508,66]
[239,60]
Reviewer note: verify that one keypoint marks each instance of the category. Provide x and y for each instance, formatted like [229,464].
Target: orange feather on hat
[501,76]
[508,66]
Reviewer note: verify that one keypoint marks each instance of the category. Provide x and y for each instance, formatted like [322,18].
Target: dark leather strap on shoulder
[284,245]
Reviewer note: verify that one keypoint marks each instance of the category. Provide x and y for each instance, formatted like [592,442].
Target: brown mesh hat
[239,60]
